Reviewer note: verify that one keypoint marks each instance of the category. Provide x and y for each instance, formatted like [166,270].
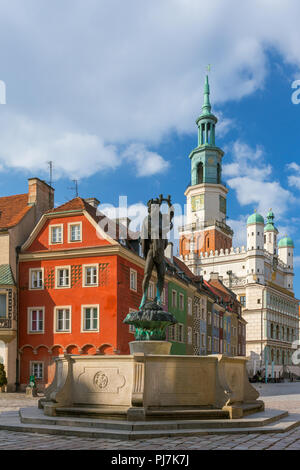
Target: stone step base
[152,414]
[33,420]
[157,413]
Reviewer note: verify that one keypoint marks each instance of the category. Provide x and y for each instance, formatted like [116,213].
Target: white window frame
[70,225]
[58,268]
[190,335]
[190,306]
[131,328]
[174,304]
[209,343]
[180,328]
[29,320]
[133,271]
[84,267]
[203,342]
[181,301]
[62,307]
[50,234]
[2,292]
[172,333]
[31,270]
[197,339]
[83,307]
[31,369]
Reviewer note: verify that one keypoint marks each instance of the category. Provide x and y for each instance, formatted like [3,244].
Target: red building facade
[77,284]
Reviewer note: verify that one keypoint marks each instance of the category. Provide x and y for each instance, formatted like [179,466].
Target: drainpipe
[261,327]
[17,384]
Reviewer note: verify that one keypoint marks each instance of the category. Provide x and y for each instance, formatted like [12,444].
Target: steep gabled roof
[13,209]
[80,204]
[183,267]
[223,292]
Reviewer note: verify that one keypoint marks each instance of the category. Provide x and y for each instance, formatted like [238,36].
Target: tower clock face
[211,161]
[197,202]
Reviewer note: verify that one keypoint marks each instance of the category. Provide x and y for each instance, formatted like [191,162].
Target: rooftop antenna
[75,187]
[50,163]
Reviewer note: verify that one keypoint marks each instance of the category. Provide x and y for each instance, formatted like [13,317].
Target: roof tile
[13,209]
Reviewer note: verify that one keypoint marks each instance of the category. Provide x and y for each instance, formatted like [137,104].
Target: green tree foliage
[3,379]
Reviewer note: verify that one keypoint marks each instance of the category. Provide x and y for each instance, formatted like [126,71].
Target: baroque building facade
[18,215]
[78,282]
[260,273]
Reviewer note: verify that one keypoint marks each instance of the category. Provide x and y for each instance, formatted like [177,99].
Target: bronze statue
[154,240]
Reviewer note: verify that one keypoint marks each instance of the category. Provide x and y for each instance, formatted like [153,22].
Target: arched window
[202,134]
[208,133]
[272,330]
[207,243]
[278,357]
[200,173]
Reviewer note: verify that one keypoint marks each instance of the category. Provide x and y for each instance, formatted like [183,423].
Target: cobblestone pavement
[285,396]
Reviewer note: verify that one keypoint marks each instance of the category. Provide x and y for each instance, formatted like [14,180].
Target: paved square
[284,396]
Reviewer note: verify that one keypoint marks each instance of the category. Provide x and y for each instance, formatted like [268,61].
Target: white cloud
[239,228]
[225,124]
[250,176]
[27,144]
[120,72]
[147,163]
[294,179]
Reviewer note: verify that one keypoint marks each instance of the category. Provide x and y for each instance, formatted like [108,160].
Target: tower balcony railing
[202,225]
[208,182]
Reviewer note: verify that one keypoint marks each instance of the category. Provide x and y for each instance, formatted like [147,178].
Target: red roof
[221,288]
[80,204]
[13,209]
[183,267]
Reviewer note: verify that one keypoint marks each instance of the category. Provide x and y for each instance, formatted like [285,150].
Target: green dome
[285,242]
[270,228]
[255,219]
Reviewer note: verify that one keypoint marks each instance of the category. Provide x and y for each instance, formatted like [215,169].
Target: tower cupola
[271,232]
[206,122]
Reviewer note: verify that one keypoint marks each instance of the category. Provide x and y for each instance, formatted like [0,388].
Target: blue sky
[109,91]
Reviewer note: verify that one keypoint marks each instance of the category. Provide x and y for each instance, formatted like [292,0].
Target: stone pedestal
[150,347]
[151,386]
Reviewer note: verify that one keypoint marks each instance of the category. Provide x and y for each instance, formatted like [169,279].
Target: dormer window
[75,230]
[56,234]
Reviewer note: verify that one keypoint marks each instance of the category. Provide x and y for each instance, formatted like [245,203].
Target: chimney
[169,251]
[40,195]
[214,276]
[124,228]
[93,201]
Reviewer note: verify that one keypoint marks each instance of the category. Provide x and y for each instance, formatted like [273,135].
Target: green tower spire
[206,108]
[206,158]
[206,122]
